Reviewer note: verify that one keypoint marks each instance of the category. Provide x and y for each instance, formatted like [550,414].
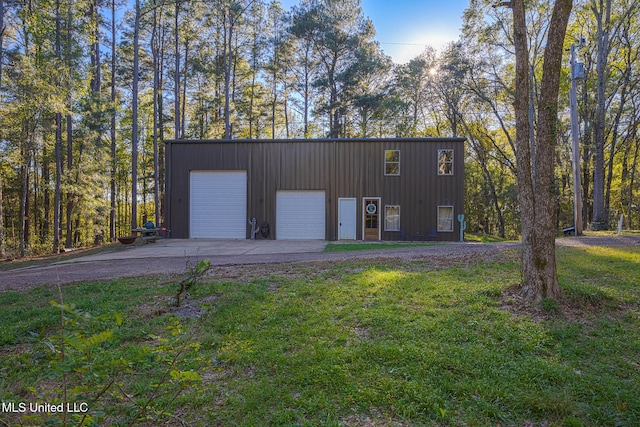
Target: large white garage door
[300,215]
[218,204]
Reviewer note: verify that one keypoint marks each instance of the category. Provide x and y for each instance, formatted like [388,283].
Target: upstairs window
[392,162]
[445,162]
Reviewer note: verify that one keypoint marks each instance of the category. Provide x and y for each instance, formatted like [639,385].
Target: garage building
[329,189]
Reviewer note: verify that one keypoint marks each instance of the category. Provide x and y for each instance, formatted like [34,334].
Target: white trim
[300,214]
[385,218]
[438,219]
[355,216]
[218,204]
[385,163]
[453,154]
[364,215]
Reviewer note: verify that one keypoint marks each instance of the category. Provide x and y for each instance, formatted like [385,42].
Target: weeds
[195,274]
[354,344]
[88,375]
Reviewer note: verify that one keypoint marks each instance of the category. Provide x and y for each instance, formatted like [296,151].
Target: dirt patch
[193,309]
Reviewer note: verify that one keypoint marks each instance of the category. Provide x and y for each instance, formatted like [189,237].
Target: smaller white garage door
[300,215]
[218,204]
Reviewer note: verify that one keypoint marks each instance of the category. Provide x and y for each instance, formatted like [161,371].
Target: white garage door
[300,215]
[218,204]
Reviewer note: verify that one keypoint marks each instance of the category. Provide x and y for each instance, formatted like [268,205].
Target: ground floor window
[445,218]
[392,218]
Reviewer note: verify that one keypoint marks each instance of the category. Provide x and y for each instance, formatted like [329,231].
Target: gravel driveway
[439,254]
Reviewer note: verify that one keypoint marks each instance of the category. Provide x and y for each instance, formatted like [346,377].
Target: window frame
[446,162]
[441,230]
[391,162]
[386,216]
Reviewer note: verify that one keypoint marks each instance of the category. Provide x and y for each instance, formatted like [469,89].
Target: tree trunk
[57,198]
[176,75]
[24,200]
[228,53]
[69,129]
[2,249]
[2,245]
[112,212]
[183,104]
[537,198]
[134,114]
[602,12]
[156,113]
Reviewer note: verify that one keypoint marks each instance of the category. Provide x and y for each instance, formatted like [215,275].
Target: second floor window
[392,162]
[445,162]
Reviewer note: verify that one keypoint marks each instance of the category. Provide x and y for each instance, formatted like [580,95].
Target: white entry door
[347,219]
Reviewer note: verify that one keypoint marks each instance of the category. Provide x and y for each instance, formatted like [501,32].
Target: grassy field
[342,344]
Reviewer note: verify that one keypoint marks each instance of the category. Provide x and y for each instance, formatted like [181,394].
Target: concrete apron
[206,247]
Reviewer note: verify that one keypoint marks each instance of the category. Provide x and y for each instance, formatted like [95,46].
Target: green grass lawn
[345,344]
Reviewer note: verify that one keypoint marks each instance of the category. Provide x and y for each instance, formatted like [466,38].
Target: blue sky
[404,27]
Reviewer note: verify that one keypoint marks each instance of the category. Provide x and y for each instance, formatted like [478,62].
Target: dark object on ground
[127,240]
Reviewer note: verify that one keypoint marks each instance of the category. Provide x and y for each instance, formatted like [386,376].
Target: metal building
[331,189]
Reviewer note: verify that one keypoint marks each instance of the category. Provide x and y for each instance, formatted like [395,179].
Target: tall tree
[155,49]
[536,193]
[342,30]
[302,28]
[113,159]
[58,148]
[602,12]
[2,30]
[134,116]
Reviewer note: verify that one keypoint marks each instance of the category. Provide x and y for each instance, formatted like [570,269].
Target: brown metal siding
[342,168]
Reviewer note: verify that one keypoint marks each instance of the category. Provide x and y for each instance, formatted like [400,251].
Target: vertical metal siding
[342,168]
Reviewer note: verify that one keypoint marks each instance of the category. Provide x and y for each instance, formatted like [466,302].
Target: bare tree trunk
[227,73]
[161,166]
[183,106]
[69,129]
[602,12]
[134,127]
[307,92]
[24,200]
[2,239]
[537,198]
[57,198]
[2,234]
[176,78]
[156,83]
[112,213]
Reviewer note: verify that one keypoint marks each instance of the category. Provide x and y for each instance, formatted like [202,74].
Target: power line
[405,44]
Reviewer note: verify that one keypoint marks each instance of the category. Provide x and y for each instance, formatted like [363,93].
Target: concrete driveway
[170,248]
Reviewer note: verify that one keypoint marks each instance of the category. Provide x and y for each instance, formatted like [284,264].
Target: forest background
[90,89]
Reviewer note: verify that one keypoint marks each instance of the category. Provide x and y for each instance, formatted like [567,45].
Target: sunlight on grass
[620,254]
[393,344]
